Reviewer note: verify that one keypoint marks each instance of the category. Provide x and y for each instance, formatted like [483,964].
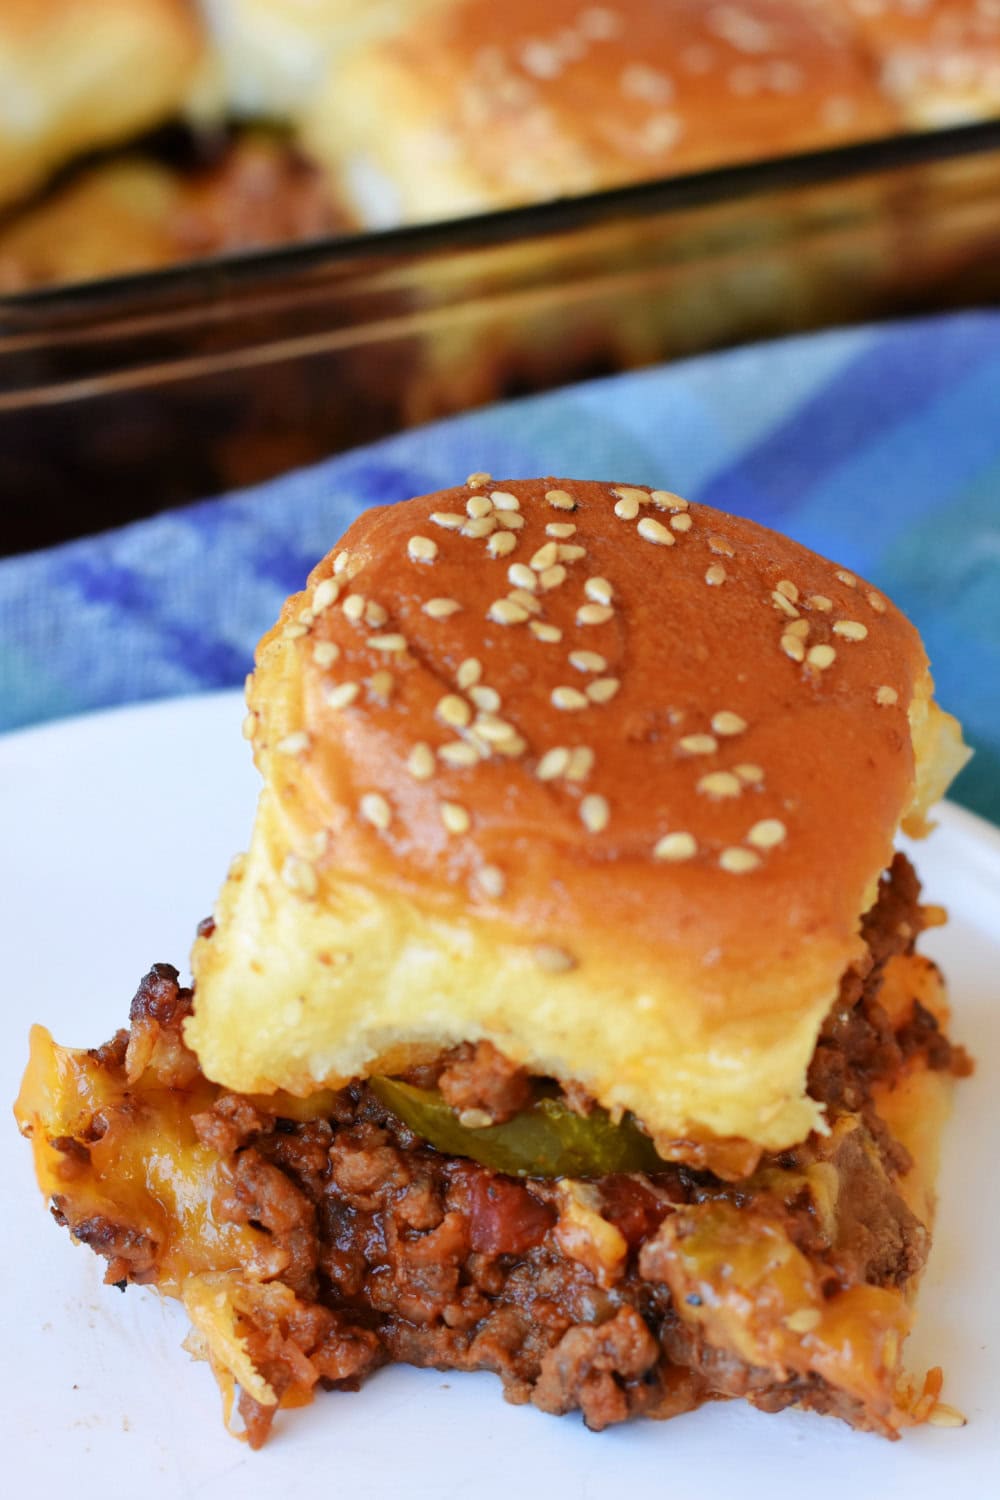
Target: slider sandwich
[564,1018]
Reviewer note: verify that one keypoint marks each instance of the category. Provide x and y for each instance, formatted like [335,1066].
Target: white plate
[116,831]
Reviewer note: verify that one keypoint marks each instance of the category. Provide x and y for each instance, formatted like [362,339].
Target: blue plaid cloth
[879,447]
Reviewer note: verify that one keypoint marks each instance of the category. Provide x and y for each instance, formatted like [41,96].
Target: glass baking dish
[122,397]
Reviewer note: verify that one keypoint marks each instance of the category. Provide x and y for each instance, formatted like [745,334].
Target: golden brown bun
[80,74]
[274,54]
[368,920]
[484,105]
[939,61]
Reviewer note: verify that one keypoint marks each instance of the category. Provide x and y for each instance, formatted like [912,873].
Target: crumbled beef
[481,1078]
[590,1368]
[395,1251]
[857,1045]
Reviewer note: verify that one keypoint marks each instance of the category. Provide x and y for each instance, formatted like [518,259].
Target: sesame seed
[886,696]
[513,746]
[543,631]
[450,520]
[788,589]
[667,500]
[767,834]
[491,881]
[682,522]
[581,762]
[478,506]
[551,578]
[248,726]
[553,763]
[340,562]
[485,698]
[602,689]
[877,603]
[793,647]
[294,631]
[784,605]
[375,810]
[440,609]
[675,847]
[598,589]
[421,549]
[654,531]
[545,557]
[342,694]
[504,500]
[726,722]
[375,614]
[325,653]
[749,773]
[571,552]
[568,698]
[511,519]
[800,628]
[560,499]
[627,508]
[846,577]
[478,479]
[453,710]
[501,543]
[721,547]
[821,657]
[454,817]
[699,744]
[522,577]
[476,1119]
[381,684]
[480,526]
[720,784]
[305,616]
[420,762]
[594,813]
[390,642]
[715,574]
[526,600]
[738,861]
[820,602]
[299,876]
[458,753]
[324,594]
[560,529]
[851,630]
[495,731]
[587,661]
[469,672]
[554,960]
[354,606]
[594,614]
[632,494]
[506,613]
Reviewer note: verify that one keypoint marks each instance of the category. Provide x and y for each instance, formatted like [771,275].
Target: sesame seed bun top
[604,776]
[477,105]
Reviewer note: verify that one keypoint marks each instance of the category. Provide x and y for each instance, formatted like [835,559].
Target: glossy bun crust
[76,75]
[640,868]
[481,105]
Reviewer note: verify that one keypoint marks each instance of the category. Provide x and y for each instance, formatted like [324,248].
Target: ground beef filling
[394,1251]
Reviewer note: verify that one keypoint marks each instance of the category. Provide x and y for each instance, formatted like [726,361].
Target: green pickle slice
[546,1140]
